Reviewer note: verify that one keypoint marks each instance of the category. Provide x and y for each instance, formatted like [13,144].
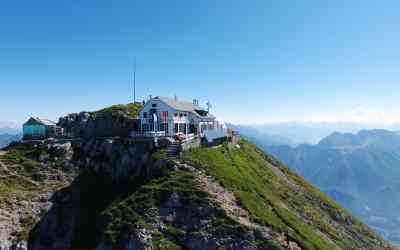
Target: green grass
[130,109]
[271,200]
[20,185]
[17,187]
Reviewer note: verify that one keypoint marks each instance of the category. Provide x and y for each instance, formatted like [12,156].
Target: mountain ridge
[245,212]
[359,170]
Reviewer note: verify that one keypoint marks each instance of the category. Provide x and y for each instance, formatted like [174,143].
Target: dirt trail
[225,199]
[228,201]
[2,166]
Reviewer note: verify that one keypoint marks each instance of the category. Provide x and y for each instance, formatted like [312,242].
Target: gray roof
[41,121]
[179,105]
[48,122]
[184,106]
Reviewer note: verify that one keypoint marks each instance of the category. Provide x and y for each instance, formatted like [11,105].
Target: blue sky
[256,61]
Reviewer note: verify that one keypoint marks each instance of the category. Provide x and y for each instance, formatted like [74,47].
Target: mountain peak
[364,138]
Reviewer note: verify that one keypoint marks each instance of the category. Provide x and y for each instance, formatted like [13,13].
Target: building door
[176,128]
[192,129]
[164,127]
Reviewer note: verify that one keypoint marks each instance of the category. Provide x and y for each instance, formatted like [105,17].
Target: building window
[154,105]
[203,127]
[184,128]
[192,129]
[176,114]
[180,128]
[176,128]
[180,115]
[146,127]
[145,115]
[164,127]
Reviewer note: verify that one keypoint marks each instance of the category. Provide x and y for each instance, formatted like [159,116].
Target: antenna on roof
[209,106]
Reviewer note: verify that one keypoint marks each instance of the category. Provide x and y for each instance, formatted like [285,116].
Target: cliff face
[116,159]
[118,120]
[128,195]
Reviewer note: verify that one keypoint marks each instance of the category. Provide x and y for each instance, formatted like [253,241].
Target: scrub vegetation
[131,109]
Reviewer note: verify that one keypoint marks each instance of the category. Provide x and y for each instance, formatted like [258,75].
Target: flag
[164,115]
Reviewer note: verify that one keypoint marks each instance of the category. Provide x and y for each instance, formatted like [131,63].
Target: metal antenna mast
[134,82]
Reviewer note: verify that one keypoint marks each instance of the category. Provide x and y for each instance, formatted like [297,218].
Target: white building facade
[168,117]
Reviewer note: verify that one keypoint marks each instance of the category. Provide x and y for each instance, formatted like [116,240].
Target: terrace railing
[148,134]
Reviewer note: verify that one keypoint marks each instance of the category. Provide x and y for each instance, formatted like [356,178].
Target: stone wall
[195,143]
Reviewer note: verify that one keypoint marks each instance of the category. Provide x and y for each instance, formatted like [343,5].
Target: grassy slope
[130,109]
[23,178]
[300,210]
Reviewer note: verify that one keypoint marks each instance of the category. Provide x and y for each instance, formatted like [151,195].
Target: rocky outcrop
[56,228]
[141,239]
[92,125]
[118,159]
[195,222]
[74,124]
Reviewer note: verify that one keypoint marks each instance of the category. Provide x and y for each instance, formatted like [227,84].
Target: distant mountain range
[6,139]
[361,171]
[8,132]
[261,138]
[296,133]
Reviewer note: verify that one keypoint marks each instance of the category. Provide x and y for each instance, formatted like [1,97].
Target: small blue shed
[36,128]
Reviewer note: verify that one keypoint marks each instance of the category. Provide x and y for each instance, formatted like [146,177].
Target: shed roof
[38,120]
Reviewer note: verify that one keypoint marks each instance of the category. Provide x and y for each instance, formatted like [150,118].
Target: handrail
[148,134]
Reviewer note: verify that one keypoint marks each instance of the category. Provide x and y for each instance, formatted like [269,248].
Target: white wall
[162,107]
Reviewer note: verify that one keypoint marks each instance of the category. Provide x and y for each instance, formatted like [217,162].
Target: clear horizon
[257,63]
